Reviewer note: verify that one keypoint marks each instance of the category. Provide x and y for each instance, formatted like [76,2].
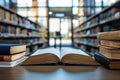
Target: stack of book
[109,49]
[11,54]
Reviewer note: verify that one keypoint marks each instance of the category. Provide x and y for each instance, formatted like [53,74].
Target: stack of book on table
[11,54]
[109,49]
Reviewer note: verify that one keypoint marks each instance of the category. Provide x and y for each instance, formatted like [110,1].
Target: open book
[65,56]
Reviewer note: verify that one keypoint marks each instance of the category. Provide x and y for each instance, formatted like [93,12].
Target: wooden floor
[58,73]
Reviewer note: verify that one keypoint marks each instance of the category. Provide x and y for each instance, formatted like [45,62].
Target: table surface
[58,73]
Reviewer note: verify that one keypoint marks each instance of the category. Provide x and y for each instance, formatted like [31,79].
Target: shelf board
[22,36]
[84,43]
[17,25]
[85,36]
[98,24]
[35,43]
[77,30]
[86,28]
[109,20]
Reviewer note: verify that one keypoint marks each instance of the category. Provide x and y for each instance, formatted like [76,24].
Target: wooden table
[58,73]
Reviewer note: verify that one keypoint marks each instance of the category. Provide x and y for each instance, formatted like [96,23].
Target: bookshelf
[17,29]
[85,35]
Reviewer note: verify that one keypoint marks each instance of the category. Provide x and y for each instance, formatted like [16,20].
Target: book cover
[6,49]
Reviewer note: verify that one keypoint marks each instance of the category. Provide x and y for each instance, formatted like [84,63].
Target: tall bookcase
[105,21]
[19,30]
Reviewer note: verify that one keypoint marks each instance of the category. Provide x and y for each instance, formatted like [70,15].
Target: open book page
[76,56]
[47,51]
[66,51]
[44,56]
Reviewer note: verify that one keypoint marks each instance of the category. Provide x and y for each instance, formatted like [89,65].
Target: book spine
[0,30]
[17,31]
[4,50]
[1,14]
[4,15]
[5,58]
[7,16]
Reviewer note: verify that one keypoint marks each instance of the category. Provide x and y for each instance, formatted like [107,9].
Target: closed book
[7,49]
[12,63]
[112,35]
[106,62]
[1,14]
[110,52]
[17,31]
[11,31]
[12,57]
[7,16]
[114,44]
[4,15]
[25,32]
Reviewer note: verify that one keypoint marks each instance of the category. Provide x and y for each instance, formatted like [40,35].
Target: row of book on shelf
[102,17]
[19,41]
[95,30]
[6,31]
[87,41]
[98,19]
[14,18]
[16,29]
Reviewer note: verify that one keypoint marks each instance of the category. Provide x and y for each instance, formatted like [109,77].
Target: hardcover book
[11,57]
[65,56]
[12,63]
[110,52]
[115,44]
[113,35]
[7,49]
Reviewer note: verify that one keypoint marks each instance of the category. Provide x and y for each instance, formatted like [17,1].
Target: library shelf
[16,29]
[86,33]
